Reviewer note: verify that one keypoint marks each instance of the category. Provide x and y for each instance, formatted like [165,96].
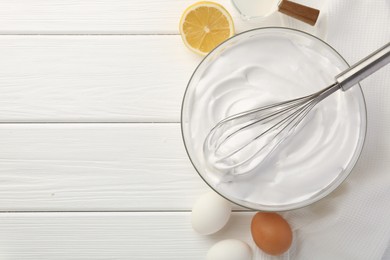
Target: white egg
[210,213]
[230,249]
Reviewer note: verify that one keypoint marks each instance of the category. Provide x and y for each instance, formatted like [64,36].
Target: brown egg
[271,233]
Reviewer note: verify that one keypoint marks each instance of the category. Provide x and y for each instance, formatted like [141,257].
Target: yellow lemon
[204,25]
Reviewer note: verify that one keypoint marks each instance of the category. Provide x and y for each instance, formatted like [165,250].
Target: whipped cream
[264,69]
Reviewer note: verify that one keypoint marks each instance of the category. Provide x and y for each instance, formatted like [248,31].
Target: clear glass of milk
[250,9]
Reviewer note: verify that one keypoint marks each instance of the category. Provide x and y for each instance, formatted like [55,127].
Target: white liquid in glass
[256,8]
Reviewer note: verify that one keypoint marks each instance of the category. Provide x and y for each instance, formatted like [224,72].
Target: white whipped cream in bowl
[265,66]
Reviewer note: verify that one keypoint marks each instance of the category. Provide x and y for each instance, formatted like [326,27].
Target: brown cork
[301,12]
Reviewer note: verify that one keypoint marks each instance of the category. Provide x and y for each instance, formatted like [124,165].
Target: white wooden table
[92,164]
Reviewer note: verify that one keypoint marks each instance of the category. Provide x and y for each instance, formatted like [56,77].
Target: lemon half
[204,25]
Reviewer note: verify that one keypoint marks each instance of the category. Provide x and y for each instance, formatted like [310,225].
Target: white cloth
[354,221]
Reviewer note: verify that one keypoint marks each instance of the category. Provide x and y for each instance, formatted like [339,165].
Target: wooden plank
[110,236]
[139,236]
[95,167]
[93,78]
[103,17]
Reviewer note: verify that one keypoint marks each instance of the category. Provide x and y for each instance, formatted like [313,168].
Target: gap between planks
[90,34]
[97,122]
[114,211]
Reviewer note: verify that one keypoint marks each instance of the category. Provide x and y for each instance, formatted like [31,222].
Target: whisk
[239,143]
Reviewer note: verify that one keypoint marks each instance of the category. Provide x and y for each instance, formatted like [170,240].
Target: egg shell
[210,213]
[271,233]
[229,249]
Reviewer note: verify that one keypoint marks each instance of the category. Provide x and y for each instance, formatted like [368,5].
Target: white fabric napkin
[354,221]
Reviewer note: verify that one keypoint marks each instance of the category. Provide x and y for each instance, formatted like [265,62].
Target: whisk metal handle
[364,68]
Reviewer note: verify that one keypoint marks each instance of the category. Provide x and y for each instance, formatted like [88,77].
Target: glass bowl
[270,65]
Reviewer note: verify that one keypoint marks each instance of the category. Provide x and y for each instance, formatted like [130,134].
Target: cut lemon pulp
[204,25]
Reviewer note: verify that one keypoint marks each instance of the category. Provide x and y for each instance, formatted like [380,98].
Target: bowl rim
[327,190]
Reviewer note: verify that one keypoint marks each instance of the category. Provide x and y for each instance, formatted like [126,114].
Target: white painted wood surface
[64,236]
[95,167]
[53,158]
[89,123]
[93,78]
